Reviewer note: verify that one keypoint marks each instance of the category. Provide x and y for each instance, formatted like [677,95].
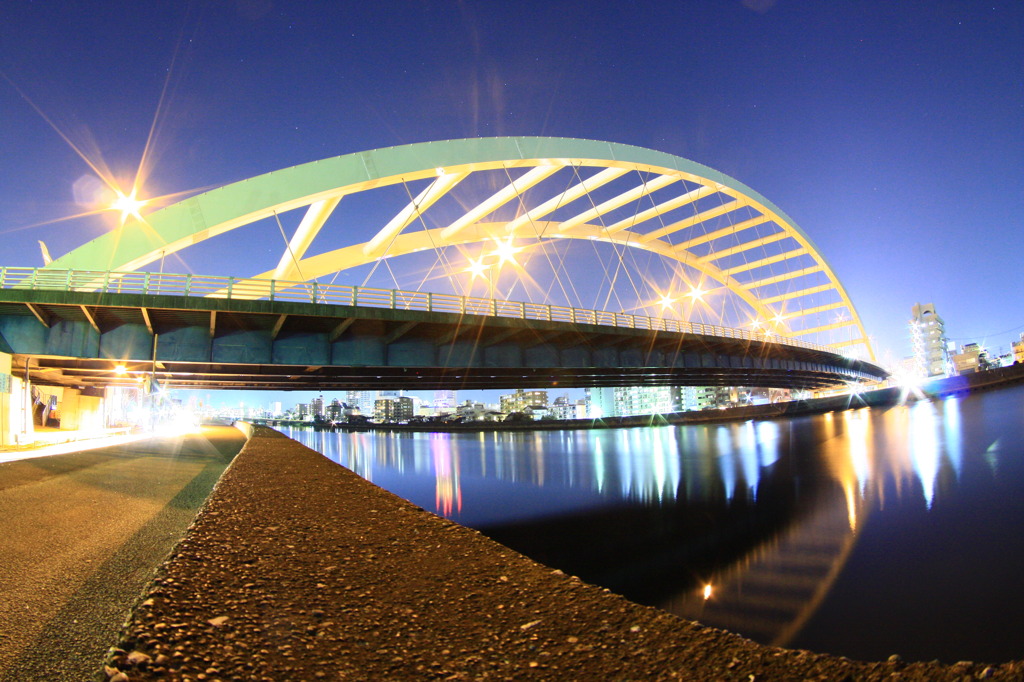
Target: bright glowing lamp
[477,268]
[506,252]
[120,370]
[128,205]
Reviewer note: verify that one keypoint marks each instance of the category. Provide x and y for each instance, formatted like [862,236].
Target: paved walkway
[82,536]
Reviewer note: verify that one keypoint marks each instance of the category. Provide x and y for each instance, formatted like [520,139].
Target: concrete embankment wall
[298,569]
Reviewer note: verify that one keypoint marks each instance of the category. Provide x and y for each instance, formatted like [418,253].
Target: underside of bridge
[90,339]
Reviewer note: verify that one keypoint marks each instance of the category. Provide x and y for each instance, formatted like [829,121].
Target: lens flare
[128,205]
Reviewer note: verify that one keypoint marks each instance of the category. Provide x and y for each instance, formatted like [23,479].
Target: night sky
[892,133]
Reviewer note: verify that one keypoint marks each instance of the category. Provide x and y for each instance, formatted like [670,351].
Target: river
[861,533]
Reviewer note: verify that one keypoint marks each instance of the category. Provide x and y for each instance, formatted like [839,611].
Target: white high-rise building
[928,337]
[367,401]
[624,401]
[444,400]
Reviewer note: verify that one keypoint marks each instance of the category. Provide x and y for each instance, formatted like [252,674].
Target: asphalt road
[80,537]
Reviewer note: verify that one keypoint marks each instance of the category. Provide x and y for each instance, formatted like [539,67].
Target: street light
[128,205]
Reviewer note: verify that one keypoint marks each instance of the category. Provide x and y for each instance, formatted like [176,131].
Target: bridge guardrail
[212,286]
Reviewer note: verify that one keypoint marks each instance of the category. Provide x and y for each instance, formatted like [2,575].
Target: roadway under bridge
[78,338]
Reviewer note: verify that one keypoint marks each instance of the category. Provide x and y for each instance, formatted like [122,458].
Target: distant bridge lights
[504,252]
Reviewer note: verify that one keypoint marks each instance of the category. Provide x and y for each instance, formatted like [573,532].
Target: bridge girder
[199,342]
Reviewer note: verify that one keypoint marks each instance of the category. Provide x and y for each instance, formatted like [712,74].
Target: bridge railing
[176,284]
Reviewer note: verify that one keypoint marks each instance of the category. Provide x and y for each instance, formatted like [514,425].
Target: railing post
[145,283]
[494,307]
[430,302]
[549,312]
[67,281]
[522,309]
[393,298]
[273,283]
[231,285]
[355,296]
[313,290]
[188,284]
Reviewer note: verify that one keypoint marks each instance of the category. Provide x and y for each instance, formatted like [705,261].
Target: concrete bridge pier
[77,411]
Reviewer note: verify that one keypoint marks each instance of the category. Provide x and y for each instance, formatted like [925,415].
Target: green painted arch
[353,256]
[172,228]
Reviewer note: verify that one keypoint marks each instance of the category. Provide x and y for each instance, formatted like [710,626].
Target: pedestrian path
[84,532]
[58,442]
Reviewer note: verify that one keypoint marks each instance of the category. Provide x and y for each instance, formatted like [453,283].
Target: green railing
[174,284]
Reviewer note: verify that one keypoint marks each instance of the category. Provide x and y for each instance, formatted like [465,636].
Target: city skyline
[890,134]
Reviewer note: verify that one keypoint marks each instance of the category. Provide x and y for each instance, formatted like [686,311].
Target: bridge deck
[73,337]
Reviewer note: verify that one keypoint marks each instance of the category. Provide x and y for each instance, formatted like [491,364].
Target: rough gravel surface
[297,569]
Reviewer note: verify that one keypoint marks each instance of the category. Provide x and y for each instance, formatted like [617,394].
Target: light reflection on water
[789,520]
[595,467]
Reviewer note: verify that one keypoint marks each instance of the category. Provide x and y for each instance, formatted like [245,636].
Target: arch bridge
[574,224]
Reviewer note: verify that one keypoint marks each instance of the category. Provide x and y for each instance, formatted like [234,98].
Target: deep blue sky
[893,133]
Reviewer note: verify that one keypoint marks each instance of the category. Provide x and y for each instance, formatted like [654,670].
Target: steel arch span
[715,233]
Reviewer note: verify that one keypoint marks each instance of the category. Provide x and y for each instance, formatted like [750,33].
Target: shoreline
[297,568]
[885,397]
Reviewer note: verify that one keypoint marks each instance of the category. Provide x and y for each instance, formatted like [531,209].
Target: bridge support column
[13,422]
[6,381]
[80,412]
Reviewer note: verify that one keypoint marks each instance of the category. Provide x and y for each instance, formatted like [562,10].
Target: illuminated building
[520,400]
[444,400]
[367,402]
[1018,350]
[317,407]
[623,401]
[928,337]
[393,409]
[563,408]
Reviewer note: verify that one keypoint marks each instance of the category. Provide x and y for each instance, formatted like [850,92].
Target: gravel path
[297,569]
[82,534]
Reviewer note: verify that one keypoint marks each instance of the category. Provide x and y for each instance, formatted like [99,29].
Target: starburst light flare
[128,205]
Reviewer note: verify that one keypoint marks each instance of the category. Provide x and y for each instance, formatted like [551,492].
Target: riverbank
[886,397]
[296,568]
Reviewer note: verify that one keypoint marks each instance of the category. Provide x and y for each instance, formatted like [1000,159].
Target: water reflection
[654,465]
[773,516]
